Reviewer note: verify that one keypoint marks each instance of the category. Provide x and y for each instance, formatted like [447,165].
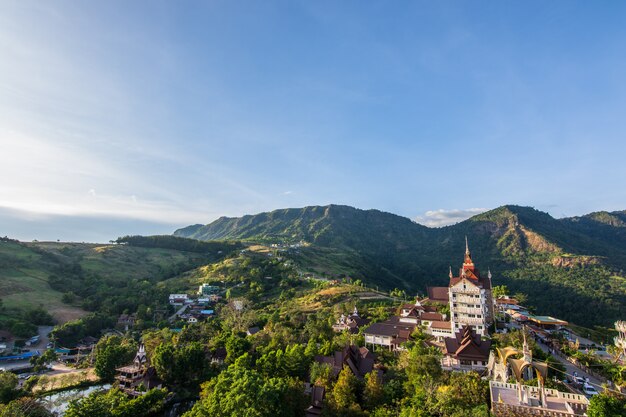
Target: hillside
[69,280]
[561,264]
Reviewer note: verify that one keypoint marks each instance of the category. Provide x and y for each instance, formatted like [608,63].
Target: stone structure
[526,401]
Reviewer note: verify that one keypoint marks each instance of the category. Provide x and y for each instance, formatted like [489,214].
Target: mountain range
[570,267]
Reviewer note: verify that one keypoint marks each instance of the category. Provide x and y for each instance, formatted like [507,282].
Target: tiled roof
[441,325]
[392,327]
[437,294]
[466,344]
[432,316]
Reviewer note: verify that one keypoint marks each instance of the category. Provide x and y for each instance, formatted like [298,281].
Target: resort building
[390,334]
[139,377]
[465,351]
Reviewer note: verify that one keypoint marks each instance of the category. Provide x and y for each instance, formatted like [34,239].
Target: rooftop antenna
[450,272]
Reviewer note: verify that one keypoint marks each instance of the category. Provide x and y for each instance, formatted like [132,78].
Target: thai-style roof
[467,345]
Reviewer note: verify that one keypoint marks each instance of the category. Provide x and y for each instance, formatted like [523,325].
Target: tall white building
[470,298]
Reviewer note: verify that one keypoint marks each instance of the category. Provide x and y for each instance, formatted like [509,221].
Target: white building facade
[470,297]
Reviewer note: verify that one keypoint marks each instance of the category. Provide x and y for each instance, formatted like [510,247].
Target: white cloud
[443,217]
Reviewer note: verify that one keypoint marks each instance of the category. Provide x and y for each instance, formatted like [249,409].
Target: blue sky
[140,117]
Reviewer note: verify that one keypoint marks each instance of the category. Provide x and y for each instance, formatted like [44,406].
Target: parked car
[579,381]
[589,390]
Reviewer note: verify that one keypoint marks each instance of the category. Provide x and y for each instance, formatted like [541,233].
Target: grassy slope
[24,271]
[24,283]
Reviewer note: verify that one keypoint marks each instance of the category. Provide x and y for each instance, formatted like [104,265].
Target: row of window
[467,295]
[472,316]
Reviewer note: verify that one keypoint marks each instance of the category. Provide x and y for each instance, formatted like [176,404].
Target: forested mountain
[567,267]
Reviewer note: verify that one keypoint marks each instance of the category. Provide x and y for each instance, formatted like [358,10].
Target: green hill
[567,267]
[68,280]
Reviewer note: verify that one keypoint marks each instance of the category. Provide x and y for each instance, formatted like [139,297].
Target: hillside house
[178,299]
[390,334]
[138,377]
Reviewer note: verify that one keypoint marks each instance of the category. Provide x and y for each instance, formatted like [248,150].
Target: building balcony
[469,320]
[466,299]
[467,310]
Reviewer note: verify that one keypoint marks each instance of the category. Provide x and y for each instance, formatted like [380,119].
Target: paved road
[570,368]
[178,313]
[43,332]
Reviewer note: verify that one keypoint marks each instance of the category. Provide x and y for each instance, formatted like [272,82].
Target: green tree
[235,347]
[321,374]
[184,365]
[8,386]
[24,407]
[41,361]
[373,393]
[115,403]
[607,404]
[423,369]
[239,391]
[500,291]
[463,393]
[520,297]
[343,399]
[113,352]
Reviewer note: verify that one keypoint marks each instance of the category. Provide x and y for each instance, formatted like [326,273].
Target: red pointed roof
[469,271]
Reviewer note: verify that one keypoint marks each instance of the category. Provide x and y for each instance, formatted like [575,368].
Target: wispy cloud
[443,217]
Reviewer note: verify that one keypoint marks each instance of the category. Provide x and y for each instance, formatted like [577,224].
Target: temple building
[351,322]
[465,351]
[469,296]
[519,399]
[359,360]
[139,377]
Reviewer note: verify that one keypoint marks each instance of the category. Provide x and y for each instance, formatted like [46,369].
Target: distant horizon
[97,226]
